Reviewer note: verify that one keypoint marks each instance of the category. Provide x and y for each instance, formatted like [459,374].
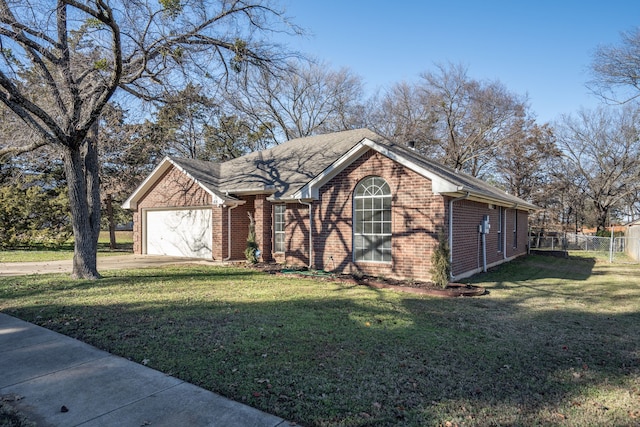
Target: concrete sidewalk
[47,371]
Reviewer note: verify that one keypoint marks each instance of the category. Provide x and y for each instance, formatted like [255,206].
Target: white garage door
[181,232]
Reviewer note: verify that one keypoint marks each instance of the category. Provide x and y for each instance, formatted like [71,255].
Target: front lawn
[555,342]
[124,243]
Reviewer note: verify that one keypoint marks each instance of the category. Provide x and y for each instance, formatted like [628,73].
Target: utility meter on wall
[484,226]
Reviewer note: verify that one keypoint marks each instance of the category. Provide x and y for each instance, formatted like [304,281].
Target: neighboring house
[346,202]
[592,231]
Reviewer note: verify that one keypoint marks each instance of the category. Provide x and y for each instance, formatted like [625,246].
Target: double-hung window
[372,220]
[278,227]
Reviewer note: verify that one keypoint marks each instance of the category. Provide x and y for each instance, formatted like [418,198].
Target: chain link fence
[620,249]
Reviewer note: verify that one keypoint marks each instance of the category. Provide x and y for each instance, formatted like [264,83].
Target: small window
[372,220]
[278,227]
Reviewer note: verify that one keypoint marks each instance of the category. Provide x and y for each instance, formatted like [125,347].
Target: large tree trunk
[81,170]
[602,213]
[112,222]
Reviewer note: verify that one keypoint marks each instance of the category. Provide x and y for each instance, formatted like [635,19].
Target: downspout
[451,202]
[229,209]
[515,216]
[483,236]
[504,233]
[309,204]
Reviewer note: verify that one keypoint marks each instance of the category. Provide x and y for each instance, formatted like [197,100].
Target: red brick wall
[416,215]
[239,228]
[137,232]
[175,189]
[467,241]
[297,234]
[466,246]
[219,224]
[260,208]
[263,216]
[522,230]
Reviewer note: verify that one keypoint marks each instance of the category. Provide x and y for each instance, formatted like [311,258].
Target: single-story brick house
[346,202]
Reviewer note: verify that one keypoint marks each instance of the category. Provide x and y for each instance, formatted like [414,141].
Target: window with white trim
[372,220]
[278,227]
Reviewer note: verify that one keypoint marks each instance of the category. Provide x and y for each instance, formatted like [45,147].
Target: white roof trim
[494,201]
[312,188]
[439,185]
[233,203]
[132,202]
[266,189]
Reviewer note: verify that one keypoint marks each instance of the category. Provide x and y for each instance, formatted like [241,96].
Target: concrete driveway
[116,262]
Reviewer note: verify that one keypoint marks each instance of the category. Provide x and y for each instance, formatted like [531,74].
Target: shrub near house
[347,202]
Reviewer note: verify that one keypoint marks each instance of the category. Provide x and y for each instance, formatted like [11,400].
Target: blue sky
[538,48]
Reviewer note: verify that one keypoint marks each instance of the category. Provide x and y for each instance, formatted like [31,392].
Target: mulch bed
[414,287]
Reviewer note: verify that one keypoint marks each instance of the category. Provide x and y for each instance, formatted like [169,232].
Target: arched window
[372,220]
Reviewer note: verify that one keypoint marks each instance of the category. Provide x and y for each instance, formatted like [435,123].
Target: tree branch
[28,111]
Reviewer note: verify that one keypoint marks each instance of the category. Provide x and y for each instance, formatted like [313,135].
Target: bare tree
[182,120]
[451,117]
[404,114]
[474,118]
[602,157]
[231,137]
[631,209]
[523,162]
[82,53]
[305,100]
[616,69]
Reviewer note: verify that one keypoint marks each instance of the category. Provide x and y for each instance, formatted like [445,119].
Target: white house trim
[439,185]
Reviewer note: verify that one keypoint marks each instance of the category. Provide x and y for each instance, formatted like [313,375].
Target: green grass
[9,417]
[124,240]
[555,341]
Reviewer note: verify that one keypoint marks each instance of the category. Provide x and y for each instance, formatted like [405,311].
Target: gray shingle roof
[290,165]
[286,168]
[206,173]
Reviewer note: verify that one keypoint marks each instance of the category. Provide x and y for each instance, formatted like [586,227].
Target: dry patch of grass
[555,342]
